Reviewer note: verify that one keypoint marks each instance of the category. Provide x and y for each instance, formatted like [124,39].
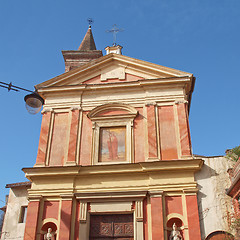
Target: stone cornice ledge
[191,165]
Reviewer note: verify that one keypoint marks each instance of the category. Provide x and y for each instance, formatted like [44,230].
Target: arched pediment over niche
[113,110]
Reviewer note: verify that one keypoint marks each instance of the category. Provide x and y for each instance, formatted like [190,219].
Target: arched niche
[45,226]
[178,222]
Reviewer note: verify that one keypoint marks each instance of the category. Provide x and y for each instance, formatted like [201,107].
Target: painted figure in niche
[175,234]
[112,146]
[49,235]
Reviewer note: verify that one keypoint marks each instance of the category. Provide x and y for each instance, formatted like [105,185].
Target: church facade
[114,158]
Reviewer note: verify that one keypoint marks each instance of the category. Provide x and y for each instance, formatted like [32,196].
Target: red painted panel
[193,217]
[77,221]
[50,209]
[184,130]
[73,136]
[145,220]
[86,141]
[96,79]
[173,204]
[65,222]
[113,112]
[42,147]
[168,142]
[139,137]
[157,218]
[152,134]
[59,139]
[31,221]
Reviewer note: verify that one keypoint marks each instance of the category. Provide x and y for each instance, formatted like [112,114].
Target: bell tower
[86,52]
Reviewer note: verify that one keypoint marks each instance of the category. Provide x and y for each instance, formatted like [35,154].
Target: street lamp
[33,101]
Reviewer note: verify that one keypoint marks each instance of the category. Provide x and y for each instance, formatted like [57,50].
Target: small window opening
[23,214]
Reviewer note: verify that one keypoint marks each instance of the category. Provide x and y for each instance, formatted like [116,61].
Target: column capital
[35,198]
[155,193]
[67,196]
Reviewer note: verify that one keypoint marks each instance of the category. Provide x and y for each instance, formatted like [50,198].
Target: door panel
[111,227]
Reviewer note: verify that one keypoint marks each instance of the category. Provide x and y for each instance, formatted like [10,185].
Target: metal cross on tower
[114,31]
[90,21]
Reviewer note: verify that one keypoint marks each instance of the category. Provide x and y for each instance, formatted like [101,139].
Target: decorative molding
[83,212]
[181,101]
[75,108]
[139,210]
[111,196]
[45,110]
[118,72]
[95,113]
[111,206]
[150,104]
[191,165]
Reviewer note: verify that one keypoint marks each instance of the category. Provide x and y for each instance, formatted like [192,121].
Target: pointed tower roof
[86,52]
[88,41]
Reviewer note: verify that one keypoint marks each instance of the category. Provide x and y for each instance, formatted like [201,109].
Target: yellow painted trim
[149,216]
[49,142]
[40,219]
[79,134]
[177,131]
[157,132]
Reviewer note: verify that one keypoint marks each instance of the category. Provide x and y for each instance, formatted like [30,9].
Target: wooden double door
[111,227]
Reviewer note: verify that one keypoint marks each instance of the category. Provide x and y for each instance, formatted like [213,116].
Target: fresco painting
[112,144]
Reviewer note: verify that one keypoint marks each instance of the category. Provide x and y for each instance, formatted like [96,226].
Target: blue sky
[197,36]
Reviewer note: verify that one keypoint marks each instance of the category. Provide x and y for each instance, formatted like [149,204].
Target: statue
[49,235]
[175,234]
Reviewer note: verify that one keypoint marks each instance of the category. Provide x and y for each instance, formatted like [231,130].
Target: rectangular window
[23,214]
[112,146]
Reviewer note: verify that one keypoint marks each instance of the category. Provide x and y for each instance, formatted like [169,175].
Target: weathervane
[90,21]
[114,31]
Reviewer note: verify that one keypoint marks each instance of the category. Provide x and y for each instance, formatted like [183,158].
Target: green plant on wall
[233,154]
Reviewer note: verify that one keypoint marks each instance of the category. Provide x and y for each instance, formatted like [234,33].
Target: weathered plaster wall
[12,229]
[213,203]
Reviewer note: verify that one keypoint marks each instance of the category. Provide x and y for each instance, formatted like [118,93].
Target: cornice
[180,81]
[191,165]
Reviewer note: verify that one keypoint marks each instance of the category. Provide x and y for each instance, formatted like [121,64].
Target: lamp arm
[9,86]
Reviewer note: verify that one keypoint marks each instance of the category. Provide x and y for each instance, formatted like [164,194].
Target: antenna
[90,21]
[114,31]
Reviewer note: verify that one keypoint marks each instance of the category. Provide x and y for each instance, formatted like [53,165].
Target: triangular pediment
[112,68]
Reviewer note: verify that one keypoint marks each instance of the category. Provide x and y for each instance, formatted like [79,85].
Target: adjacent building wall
[214,205]
[12,229]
